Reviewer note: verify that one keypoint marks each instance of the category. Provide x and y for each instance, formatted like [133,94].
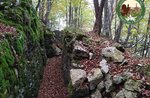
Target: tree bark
[128,35]
[118,31]
[70,13]
[136,39]
[98,15]
[49,4]
[108,14]
[38,5]
[146,47]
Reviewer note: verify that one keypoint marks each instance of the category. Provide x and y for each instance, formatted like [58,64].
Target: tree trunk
[146,47]
[38,5]
[106,25]
[49,4]
[108,14]
[118,31]
[75,17]
[79,13]
[41,10]
[67,13]
[98,15]
[70,13]
[128,35]
[136,39]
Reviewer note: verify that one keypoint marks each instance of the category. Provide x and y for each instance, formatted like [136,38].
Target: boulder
[58,51]
[108,83]
[104,66]
[120,94]
[81,91]
[117,79]
[96,94]
[100,86]
[77,66]
[119,47]
[133,85]
[122,77]
[90,55]
[129,94]
[77,76]
[79,54]
[94,78]
[80,51]
[112,52]
[126,94]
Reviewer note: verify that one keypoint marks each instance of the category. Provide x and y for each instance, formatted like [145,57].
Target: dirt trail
[52,85]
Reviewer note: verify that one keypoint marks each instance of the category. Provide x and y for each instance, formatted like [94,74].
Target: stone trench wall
[22,51]
[100,82]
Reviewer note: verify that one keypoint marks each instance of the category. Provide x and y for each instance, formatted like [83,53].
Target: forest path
[52,85]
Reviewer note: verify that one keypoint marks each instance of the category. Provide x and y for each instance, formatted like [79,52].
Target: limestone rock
[126,94]
[129,94]
[58,51]
[119,47]
[96,94]
[133,85]
[77,76]
[112,52]
[81,91]
[79,55]
[79,51]
[104,66]
[120,94]
[119,78]
[108,83]
[78,66]
[91,55]
[94,78]
[100,86]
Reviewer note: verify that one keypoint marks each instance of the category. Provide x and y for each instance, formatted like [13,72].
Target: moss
[70,89]
[21,52]
[8,77]
[6,54]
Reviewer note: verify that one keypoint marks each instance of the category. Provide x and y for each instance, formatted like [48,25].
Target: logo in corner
[130,11]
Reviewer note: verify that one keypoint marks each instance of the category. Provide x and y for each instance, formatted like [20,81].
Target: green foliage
[60,10]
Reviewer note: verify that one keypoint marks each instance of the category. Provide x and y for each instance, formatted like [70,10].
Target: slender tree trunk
[146,38]
[128,35]
[108,14]
[106,25]
[41,10]
[38,5]
[147,50]
[118,32]
[144,45]
[75,16]
[98,13]
[67,13]
[70,13]
[136,39]
[49,4]
[79,14]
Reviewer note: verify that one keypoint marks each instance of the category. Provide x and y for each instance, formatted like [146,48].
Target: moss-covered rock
[22,55]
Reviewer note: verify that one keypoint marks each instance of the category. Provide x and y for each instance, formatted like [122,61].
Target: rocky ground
[102,68]
[52,84]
